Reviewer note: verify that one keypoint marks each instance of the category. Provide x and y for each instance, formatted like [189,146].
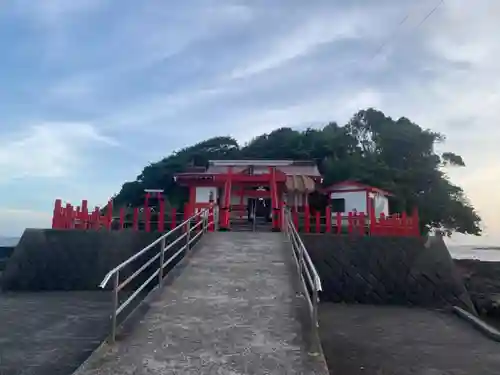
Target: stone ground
[232,310]
[50,333]
[378,340]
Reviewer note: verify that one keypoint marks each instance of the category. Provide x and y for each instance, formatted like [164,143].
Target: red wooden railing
[354,223]
[69,217]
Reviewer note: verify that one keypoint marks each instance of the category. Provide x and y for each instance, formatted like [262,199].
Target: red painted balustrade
[148,219]
[145,218]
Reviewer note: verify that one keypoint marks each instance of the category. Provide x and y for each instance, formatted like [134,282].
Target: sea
[485,254]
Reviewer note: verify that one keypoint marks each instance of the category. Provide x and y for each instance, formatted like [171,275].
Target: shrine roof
[346,185]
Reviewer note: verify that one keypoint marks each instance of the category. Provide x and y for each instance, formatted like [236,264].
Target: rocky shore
[482,280]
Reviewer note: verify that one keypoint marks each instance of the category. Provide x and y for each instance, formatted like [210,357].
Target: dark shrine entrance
[259,208]
[259,204]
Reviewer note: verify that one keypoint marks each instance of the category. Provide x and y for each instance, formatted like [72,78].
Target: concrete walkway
[50,333]
[375,340]
[233,310]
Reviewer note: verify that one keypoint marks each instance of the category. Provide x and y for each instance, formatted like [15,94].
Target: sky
[93,90]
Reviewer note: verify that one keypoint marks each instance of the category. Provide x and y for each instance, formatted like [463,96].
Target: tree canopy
[372,148]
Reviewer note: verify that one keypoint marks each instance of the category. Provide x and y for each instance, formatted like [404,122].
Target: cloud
[54,13]
[158,77]
[47,150]
[299,42]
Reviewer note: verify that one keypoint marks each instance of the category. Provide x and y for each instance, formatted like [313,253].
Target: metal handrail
[305,266]
[204,219]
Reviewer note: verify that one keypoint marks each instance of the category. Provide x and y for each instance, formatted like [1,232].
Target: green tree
[396,155]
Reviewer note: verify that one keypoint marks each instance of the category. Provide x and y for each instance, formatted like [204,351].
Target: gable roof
[288,167]
[344,185]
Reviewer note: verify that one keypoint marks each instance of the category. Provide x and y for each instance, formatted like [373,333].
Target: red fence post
[94,218]
[339,223]
[372,218]
[109,216]
[350,223]
[328,213]
[383,224]
[318,223]
[68,216]
[85,214]
[161,214]
[362,223]
[135,222]
[56,216]
[78,221]
[147,213]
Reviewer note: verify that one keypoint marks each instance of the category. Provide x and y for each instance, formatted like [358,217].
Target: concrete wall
[386,270]
[48,259]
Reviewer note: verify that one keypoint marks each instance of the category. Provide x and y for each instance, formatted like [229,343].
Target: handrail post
[115,306]
[315,305]
[206,218]
[315,345]
[188,234]
[162,259]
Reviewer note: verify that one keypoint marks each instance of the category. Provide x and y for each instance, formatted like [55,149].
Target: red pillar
[224,217]
[192,201]
[280,214]
[274,198]
[372,219]
[68,216]
[109,214]
[85,214]
[328,213]
[57,214]
[350,222]
[95,220]
[147,213]
[78,221]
